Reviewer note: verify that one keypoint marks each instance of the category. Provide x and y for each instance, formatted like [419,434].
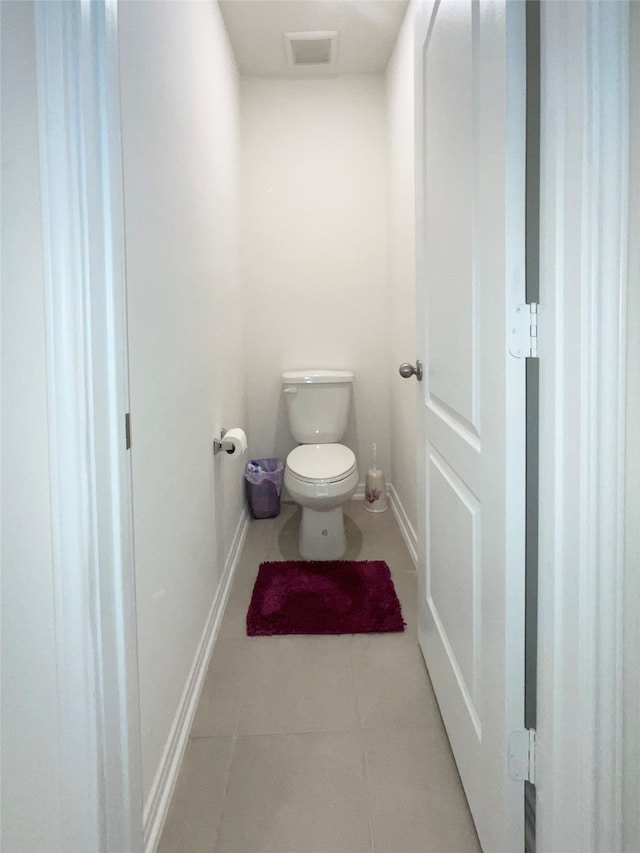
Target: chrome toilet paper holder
[220,444]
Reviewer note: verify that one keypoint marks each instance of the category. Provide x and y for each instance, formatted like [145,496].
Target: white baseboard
[157,805]
[406,528]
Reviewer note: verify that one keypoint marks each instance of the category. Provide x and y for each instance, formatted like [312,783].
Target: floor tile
[296,794]
[379,531]
[405,584]
[259,536]
[234,621]
[298,684]
[391,680]
[234,624]
[417,801]
[194,815]
[306,711]
[399,559]
[222,692]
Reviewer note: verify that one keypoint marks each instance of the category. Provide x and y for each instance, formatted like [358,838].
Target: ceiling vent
[312,49]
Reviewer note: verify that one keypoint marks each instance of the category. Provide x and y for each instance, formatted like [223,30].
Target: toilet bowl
[321,478]
[320,474]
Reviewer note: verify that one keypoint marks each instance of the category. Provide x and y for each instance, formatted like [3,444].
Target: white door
[470,133]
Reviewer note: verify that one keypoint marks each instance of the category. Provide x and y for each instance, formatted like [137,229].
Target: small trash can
[264,486]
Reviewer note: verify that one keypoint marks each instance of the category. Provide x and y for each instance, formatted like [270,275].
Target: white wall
[403,346]
[631,806]
[314,250]
[179,88]
[30,767]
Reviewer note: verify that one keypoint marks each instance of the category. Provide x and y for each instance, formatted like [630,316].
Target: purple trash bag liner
[264,486]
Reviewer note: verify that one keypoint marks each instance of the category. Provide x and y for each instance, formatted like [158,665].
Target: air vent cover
[312,48]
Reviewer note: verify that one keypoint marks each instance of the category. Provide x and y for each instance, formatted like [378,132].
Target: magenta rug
[324,597]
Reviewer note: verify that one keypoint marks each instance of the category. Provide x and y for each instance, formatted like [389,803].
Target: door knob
[408,370]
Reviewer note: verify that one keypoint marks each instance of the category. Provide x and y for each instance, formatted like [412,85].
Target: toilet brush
[375,490]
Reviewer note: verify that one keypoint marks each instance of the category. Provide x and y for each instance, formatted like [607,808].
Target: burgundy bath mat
[323,597]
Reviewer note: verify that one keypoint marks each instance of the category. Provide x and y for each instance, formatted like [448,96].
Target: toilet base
[322,535]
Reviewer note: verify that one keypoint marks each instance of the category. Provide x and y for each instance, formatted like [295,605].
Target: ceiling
[367,30]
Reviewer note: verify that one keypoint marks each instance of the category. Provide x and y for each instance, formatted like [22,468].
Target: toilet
[320,474]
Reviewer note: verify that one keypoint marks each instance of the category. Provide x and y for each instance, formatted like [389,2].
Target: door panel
[448,80]
[454,551]
[470,135]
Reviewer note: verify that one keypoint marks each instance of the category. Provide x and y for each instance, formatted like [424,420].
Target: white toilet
[320,475]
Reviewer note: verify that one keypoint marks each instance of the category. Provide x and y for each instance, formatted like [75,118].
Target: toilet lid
[328,462]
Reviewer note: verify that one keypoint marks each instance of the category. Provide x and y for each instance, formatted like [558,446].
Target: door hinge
[523,333]
[522,756]
[127,431]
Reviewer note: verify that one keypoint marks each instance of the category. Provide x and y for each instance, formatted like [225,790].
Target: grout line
[234,736]
[365,773]
[224,794]
[298,733]
[234,742]
[363,758]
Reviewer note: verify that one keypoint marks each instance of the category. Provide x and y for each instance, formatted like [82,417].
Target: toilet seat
[329,463]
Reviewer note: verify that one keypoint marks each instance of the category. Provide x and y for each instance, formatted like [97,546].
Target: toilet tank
[317,404]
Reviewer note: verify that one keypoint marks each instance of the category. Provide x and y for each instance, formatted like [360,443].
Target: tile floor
[318,744]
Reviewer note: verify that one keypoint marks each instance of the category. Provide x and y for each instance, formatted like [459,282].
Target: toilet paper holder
[220,444]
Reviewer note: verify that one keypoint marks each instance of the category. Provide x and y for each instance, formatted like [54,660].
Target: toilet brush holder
[375,491]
